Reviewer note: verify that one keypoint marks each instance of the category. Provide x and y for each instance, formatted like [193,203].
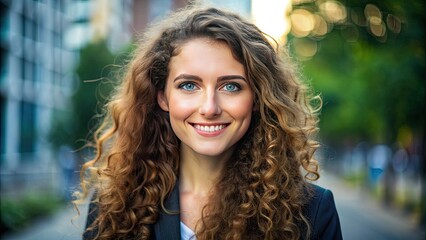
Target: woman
[206,138]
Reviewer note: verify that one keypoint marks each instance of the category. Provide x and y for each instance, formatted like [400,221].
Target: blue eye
[231,87]
[188,86]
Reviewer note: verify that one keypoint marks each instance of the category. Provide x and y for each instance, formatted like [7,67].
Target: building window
[5,65]
[27,70]
[27,126]
[22,65]
[2,125]
[57,39]
[4,45]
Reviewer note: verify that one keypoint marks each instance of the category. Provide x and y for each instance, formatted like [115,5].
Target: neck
[199,173]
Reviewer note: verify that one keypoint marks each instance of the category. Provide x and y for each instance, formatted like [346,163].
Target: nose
[210,106]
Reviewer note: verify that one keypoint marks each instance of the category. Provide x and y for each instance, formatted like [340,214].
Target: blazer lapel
[168,225]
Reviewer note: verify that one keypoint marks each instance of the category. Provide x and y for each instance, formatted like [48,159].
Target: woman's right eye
[188,86]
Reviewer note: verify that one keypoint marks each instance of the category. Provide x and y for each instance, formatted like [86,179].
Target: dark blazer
[320,211]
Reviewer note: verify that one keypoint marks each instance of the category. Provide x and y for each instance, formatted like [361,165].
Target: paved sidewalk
[361,217]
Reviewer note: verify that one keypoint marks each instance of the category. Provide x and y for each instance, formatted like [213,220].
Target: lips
[210,128]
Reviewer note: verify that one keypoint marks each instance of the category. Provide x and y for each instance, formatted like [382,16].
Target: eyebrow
[188,77]
[221,78]
[230,77]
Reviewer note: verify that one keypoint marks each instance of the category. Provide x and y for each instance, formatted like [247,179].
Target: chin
[213,151]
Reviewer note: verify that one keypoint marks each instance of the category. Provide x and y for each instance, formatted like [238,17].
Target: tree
[372,81]
[369,66]
[97,70]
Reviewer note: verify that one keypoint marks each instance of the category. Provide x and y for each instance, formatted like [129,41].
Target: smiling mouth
[210,128]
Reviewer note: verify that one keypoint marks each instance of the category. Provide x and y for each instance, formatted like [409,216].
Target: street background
[365,59]
[361,217]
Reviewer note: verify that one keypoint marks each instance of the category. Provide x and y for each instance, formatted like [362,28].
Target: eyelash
[238,86]
[195,87]
[182,86]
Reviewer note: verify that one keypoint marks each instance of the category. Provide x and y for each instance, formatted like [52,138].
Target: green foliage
[93,71]
[17,213]
[372,83]
[371,87]
[97,73]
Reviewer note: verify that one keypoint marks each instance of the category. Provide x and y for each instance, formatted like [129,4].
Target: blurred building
[99,19]
[36,79]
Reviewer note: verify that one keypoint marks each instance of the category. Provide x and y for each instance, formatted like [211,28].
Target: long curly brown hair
[260,196]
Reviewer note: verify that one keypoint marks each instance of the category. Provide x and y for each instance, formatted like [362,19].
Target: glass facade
[32,51]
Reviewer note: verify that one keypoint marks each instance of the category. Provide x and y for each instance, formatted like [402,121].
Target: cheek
[242,108]
[180,107]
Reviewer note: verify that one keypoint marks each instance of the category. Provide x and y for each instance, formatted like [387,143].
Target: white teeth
[209,128]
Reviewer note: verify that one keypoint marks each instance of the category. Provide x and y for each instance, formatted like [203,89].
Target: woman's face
[208,98]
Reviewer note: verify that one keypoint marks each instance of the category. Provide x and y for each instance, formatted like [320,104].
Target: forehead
[192,44]
[204,55]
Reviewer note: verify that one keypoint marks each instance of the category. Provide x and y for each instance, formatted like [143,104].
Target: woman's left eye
[231,87]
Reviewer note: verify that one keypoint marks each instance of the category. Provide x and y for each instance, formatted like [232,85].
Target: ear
[162,101]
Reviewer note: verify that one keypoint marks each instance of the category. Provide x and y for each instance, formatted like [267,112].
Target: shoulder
[318,197]
[322,214]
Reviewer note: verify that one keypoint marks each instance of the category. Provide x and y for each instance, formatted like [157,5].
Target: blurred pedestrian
[378,158]
[206,138]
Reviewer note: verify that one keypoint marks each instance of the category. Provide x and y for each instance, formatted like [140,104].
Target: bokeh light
[321,26]
[302,22]
[394,23]
[305,48]
[334,11]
